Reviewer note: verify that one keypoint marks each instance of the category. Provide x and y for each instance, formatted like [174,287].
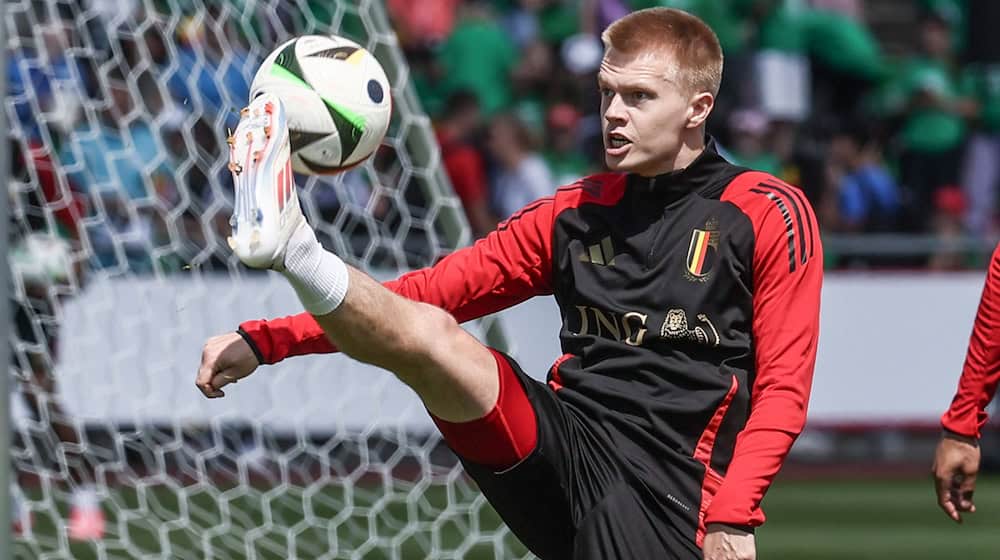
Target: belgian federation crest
[702,252]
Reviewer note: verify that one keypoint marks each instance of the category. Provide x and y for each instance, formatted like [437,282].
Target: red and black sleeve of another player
[787,277]
[510,265]
[981,372]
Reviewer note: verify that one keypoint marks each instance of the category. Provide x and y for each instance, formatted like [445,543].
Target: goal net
[119,201]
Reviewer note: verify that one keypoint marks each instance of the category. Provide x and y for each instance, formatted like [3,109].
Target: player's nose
[615,109]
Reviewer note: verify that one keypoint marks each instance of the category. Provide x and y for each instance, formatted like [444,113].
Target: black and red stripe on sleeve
[510,265]
[787,278]
[981,372]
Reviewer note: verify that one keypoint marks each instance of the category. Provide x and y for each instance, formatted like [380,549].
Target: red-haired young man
[689,291]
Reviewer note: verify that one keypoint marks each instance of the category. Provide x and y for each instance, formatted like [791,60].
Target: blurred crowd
[886,113]
[116,129]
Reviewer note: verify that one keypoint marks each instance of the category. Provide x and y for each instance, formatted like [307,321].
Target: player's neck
[690,150]
[692,146]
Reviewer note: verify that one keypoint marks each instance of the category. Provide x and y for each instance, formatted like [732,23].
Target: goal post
[119,207]
[5,427]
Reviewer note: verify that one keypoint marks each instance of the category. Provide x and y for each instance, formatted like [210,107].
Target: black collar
[707,175]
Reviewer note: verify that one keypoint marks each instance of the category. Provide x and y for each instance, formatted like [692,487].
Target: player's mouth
[617,144]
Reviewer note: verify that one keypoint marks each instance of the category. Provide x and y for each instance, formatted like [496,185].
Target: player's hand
[225,359]
[723,542]
[956,464]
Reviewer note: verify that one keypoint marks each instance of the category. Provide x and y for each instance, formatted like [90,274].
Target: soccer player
[956,461]
[689,293]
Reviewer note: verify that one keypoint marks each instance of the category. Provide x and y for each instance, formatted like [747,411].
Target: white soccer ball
[336,97]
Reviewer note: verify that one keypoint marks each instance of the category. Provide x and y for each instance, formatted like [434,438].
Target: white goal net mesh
[119,201]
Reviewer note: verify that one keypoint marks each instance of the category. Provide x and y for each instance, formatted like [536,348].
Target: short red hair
[690,40]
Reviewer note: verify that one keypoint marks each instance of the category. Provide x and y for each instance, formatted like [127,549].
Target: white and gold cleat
[267,208]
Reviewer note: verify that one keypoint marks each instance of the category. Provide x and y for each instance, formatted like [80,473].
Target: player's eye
[641,96]
[606,92]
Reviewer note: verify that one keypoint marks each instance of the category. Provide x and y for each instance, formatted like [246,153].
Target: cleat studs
[260,216]
[232,242]
[244,112]
[267,131]
[257,155]
[235,167]
[231,140]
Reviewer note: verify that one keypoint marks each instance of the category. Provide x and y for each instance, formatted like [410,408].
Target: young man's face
[644,111]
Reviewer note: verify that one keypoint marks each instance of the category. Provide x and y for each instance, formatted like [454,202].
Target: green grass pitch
[807,520]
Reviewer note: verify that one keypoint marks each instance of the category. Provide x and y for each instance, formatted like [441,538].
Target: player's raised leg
[454,375]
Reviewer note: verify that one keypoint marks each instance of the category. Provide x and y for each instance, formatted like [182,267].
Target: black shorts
[574,497]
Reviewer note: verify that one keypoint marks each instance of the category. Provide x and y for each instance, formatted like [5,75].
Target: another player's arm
[510,265]
[956,461]
[785,334]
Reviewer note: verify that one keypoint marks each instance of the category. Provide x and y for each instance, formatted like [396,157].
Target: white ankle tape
[318,276]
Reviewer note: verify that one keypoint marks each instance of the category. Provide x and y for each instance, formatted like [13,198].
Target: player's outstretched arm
[956,461]
[508,266]
[422,344]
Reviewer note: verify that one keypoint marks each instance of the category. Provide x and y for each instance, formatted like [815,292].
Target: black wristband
[961,437]
[745,528]
[253,346]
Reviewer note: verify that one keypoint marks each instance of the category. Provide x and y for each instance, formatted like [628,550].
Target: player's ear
[699,107]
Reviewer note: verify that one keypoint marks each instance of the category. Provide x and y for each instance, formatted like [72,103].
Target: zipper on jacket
[659,227]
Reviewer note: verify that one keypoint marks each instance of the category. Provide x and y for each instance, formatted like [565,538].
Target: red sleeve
[981,373]
[787,277]
[505,268]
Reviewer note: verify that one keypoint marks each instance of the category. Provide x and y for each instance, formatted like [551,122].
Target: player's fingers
[205,374]
[209,390]
[950,510]
[966,486]
[943,487]
[222,378]
[209,362]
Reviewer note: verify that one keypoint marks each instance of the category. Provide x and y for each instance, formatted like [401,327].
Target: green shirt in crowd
[843,44]
[479,56]
[983,83]
[567,167]
[927,129]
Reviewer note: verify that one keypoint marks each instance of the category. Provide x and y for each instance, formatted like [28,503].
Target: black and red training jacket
[690,318]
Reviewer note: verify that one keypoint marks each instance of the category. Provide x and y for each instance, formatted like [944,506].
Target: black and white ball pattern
[337,100]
